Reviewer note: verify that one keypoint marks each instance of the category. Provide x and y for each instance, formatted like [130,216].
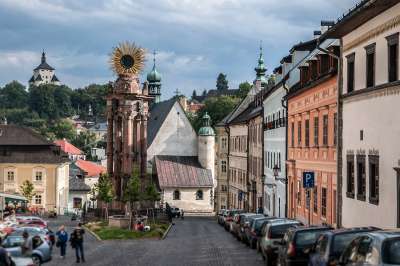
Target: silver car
[374,248]
[41,249]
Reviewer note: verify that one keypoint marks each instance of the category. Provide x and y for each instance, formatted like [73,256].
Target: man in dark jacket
[77,242]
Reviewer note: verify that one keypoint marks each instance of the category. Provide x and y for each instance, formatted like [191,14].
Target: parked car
[229,218]
[244,223]
[41,249]
[331,244]
[248,230]
[294,245]
[272,234]
[221,217]
[254,230]
[374,248]
[22,219]
[35,231]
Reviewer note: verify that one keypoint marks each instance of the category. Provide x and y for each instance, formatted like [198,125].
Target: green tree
[151,193]
[194,94]
[41,100]
[62,100]
[244,89]
[13,95]
[105,193]
[217,108]
[85,141]
[133,194]
[27,190]
[222,82]
[63,129]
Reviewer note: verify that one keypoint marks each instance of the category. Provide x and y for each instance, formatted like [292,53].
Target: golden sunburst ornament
[127,58]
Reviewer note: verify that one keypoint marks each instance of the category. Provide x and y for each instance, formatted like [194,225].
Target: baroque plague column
[127,114]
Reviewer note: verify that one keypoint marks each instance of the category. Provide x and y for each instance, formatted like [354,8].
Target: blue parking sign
[308,179]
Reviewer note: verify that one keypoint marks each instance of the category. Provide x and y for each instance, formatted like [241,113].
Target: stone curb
[92,233]
[166,232]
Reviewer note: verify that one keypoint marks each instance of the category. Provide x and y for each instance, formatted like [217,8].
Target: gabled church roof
[181,171]
[158,114]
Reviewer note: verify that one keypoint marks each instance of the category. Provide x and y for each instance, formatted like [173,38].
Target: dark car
[272,233]
[331,244]
[244,223]
[378,248]
[295,245]
[248,229]
[255,230]
[229,218]
[221,216]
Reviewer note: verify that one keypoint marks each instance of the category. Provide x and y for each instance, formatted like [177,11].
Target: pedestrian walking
[169,212]
[27,245]
[76,240]
[62,238]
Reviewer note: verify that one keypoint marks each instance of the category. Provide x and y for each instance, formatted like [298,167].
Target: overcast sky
[195,39]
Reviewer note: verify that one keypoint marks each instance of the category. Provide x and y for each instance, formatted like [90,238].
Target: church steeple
[154,79]
[43,57]
[261,69]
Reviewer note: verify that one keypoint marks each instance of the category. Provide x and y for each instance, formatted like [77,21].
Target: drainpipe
[339,127]
[248,183]
[285,105]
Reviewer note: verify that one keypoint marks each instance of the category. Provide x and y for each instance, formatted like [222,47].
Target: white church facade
[44,74]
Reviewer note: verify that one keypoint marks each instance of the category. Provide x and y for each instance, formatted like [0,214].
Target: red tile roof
[68,147]
[181,171]
[92,169]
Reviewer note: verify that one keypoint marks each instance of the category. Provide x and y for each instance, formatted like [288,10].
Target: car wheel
[36,259]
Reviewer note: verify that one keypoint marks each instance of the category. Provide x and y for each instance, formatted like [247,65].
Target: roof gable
[68,147]
[91,169]
[21,136]
[181,171]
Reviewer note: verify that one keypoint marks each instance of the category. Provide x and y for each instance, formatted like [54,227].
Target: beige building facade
[221,167]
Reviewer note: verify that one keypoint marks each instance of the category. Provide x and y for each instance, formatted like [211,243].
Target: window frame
[361,177]
[176,195]
[292,131]
[350,61]
[38,199]
[307,132]
[325,130]
[370,50]
[316,131]
[350,181]
[199,196]
[315,200]
[373,163]
[299,133]
[393,40]
[36,176]
[223,166]
[324,201]
[8,175]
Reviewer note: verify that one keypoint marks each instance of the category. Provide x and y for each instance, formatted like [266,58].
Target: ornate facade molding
[373,33]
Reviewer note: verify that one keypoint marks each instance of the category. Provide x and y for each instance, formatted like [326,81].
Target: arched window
[199,195]
[177,195]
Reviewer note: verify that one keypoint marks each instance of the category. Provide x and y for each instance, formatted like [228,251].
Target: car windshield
[306,238]
[14,241]
[391,251]
[341,241]
[278,231]
[258,223]
[31,231]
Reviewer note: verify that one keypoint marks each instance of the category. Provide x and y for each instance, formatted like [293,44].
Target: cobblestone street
[193,241]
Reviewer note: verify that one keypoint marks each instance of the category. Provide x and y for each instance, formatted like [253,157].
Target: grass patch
[106,232]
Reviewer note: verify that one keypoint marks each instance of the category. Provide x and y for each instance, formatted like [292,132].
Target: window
[307,133]
[324,65]
[224,188]
[393,56]
[10,176]
[350,176]
[323,201]
[223,143]
[199,195]
[370,67]
[292,128]
[77,203]
[38,176]
[38,199]
[298,193]
[315,197]
[325,130]
[373,179]
[350,73]
[308,199]
[316,131]
[223,166]
[177,195]
[334,128]
[361,177]
[299,133]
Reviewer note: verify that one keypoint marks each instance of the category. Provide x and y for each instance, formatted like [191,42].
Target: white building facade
[371,125]
[43,74]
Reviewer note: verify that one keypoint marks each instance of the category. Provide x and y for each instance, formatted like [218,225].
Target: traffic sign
[308,179]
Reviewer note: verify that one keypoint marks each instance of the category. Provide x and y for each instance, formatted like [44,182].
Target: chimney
[317,33]
[326,25]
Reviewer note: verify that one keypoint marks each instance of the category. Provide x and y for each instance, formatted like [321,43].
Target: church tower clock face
[127,59]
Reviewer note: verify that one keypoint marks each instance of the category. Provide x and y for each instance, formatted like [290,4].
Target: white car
[24,261]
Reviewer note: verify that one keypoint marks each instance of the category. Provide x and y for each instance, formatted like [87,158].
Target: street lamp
[276,170]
